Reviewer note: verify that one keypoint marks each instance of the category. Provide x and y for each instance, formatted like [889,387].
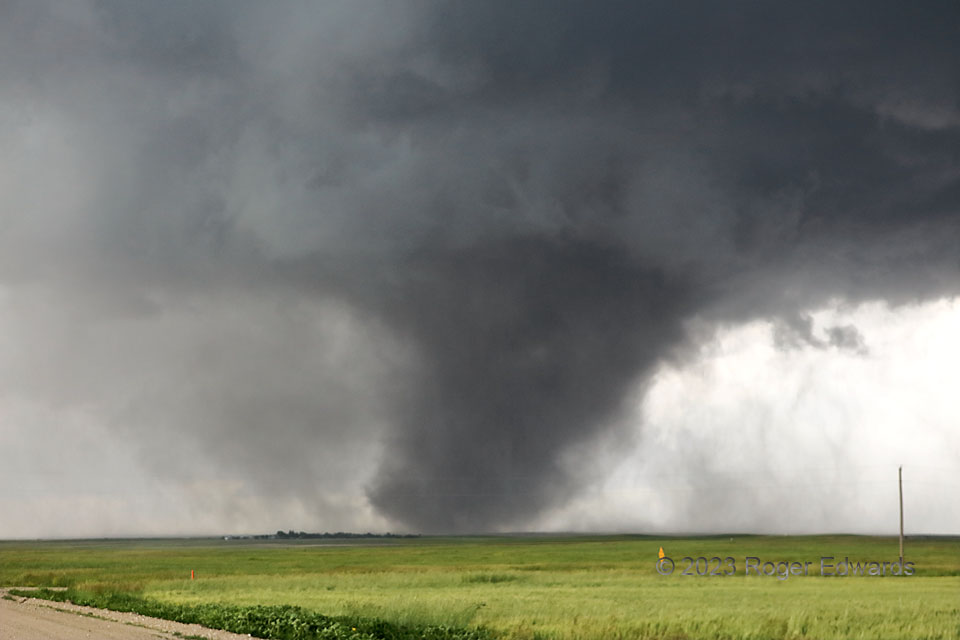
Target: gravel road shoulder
[33,619]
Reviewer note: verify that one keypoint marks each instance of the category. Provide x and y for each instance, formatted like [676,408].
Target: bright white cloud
[749,437]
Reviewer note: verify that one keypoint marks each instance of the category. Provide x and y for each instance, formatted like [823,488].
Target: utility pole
[900,474]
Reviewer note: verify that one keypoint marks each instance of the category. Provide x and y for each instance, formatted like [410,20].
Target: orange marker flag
[661,554]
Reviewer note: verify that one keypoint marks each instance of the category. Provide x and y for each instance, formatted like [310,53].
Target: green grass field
[529,587]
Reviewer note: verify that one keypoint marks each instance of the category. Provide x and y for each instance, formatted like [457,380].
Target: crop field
[563,587]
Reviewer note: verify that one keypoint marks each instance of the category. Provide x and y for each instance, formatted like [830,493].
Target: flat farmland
[562,587]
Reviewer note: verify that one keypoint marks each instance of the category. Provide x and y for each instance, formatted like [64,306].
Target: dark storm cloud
[519,206]
[525,341]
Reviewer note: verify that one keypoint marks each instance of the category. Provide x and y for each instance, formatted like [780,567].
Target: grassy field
[530,587]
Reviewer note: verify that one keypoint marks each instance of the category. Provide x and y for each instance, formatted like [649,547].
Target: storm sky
[490,266]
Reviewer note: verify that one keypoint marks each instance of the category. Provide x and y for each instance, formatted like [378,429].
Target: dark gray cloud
[524,342]
[498,217]
[847,337]
[796,331]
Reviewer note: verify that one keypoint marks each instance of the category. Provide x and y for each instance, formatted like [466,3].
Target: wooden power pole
[900,474]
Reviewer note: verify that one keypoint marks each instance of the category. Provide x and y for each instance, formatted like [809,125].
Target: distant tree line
[340,534]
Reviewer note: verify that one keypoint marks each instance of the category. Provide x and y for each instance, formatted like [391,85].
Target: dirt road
[32,619]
